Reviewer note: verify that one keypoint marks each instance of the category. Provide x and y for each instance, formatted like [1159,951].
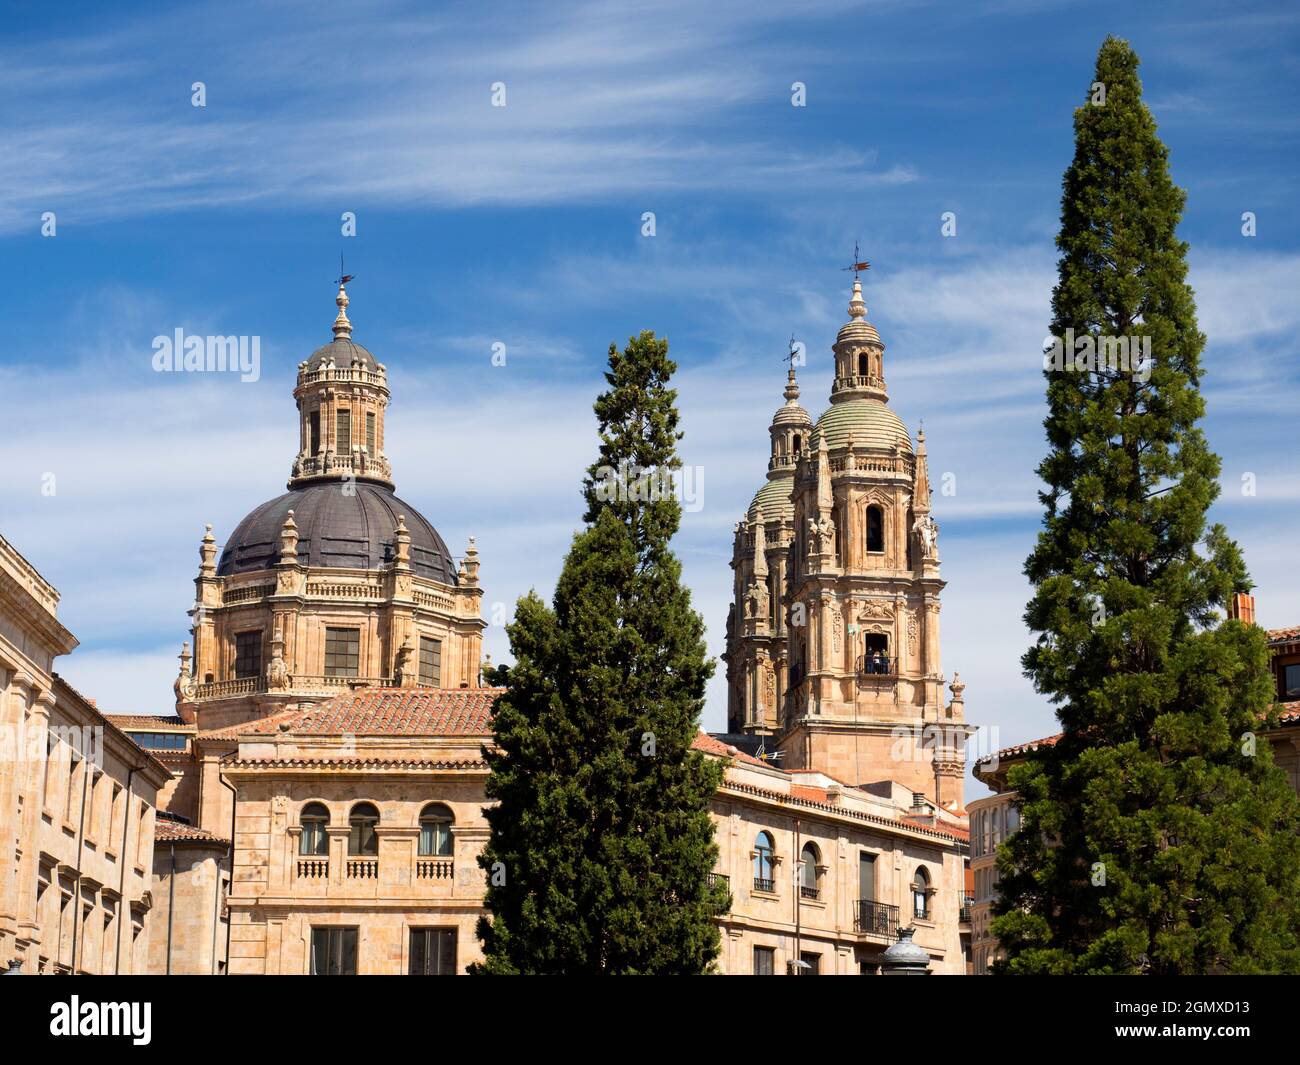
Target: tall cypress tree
[601,841]
[1157,835]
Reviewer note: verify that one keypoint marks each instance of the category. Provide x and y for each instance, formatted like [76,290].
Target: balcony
[363,868]
[719,886]
[877,667]
[761,884]
[876,918]
[434,869]
[963,915]
[313,869]
[806,892]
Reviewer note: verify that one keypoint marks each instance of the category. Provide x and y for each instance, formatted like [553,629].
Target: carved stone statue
[277,672]
[184,685]
[821,535]
[927,532]
[403,672]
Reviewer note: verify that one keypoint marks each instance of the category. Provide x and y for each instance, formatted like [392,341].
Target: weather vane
[859,263]
[344,278]
[793,353]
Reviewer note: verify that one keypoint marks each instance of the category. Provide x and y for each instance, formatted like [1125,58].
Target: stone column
[13,704]
[36,763]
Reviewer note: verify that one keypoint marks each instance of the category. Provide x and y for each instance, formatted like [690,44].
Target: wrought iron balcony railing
[876,918]
[877,666]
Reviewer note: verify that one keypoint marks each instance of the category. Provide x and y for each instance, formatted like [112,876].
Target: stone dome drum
[340,525]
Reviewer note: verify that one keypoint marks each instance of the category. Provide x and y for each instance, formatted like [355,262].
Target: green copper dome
[774,498]
[871,422]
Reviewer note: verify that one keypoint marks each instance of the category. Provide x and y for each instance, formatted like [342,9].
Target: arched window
[435,830]
[361,829]
[315,818]
[764,863]
[862,366]
[809,858]
[798,443]
[875,529]
[921,892]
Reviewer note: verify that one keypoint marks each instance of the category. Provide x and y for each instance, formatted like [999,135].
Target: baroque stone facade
[833,635]
[321,785]
[77,803]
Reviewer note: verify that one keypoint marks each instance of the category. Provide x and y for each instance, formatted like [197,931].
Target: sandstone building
[77,803]
[321,784]
[833,650]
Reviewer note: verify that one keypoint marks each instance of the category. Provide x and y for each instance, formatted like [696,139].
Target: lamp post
[905,958]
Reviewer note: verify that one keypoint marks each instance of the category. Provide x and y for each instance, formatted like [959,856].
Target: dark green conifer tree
[1157,835]
[601,841]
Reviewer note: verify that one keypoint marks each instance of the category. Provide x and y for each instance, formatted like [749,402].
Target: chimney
[1242,608]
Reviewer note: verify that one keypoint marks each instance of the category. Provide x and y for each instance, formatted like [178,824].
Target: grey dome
[344,350]
[352,530]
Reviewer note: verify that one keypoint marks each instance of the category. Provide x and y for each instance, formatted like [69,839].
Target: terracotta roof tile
[709,745]
[1284,635]
[1022,748]
[365,764]
[381,712]
[166,831]
[166,723]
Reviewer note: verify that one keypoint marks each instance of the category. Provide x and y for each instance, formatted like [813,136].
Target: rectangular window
[764,961]
[333,952]
[116,817]
[342,652]
[433,952]
[866,877]
[75,769]
[49,770]
[248,654]
[343,443]
[813,963]
[94,803]
[430,662]
[1291,681]
[370,431]
[313,432]
[160,741]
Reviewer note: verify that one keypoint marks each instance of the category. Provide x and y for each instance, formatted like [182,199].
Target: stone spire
[859,355]
[921,486]
[791,389]
[790,429]
[342,394]
[342,327]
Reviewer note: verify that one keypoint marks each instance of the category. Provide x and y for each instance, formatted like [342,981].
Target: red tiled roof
[167,722]
[166,831]
[381,712]
[260,725]
[956,831]
[1290,715]
[366,764]
[709,745]
[1283,635]
[1022,748]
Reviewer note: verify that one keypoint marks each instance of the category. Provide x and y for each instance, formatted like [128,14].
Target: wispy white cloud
[143,460]
[383,104]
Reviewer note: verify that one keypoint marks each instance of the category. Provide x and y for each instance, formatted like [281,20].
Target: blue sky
[522,225]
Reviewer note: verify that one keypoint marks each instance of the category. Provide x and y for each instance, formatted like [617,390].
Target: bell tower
[756,656]
[865,695]
[342,393]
